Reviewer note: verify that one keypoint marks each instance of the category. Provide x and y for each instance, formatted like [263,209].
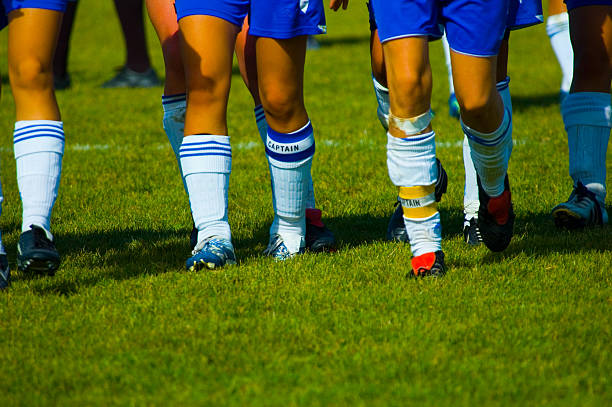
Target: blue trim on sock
[290,138]
[485,142]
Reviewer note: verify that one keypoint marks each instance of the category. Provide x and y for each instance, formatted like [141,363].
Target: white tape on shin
[411,125]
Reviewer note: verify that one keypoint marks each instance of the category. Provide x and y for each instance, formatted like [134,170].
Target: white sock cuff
[503,84]
[490,139]
[587,108]
[557,23]
[174,102]
[290,150]
[205,154]
[36,136]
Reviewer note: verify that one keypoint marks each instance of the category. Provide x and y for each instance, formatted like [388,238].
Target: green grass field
[122,323]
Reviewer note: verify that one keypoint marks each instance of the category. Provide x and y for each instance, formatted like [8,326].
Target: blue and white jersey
[280,19]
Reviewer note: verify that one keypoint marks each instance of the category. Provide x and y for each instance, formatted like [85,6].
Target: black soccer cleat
[581,210]
[428,264]
[471,232]
[396,231]
[496,218]
[36,252]
[318,237]
[5,273]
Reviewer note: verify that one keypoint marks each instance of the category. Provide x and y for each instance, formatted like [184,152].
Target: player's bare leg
[290,139]
[586,115]
[411,151]
[488,126]
[205,152]
[39,136]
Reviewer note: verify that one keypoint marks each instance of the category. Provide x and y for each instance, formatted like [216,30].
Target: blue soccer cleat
[5,273]
[453,106]
[36,252]
[581,210]
[278,250]
[211,253]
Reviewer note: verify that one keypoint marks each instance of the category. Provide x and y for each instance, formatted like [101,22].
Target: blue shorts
[10,5]
[280,19]
[473,27]
[524,13]
[572,4]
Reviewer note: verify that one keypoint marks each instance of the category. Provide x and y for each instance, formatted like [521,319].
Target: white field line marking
[249,145]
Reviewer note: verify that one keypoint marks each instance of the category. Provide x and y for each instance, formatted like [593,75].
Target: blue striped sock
[290,157]
[39,148]
[206,162]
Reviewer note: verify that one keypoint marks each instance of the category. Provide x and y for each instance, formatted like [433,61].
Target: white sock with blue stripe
[470,194]
[587,121]
[174,123]
[290,157]
[262,127]
[39,148]
[206,162]
[557,28]
[491,154]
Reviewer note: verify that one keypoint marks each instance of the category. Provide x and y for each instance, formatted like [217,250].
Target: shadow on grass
[131,253]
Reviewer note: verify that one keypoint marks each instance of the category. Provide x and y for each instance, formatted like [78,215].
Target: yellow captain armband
[418,202]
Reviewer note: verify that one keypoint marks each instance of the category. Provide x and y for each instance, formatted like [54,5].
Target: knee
[280,104]
[476,104]
[410,88]
[31,73]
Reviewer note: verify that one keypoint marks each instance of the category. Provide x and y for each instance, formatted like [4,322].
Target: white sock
[411,162]
[557,27]
[470,194]
[449,69]
[290,157]
[382,98]
[262,127]
[206,162]
[491,154]
[587,121]
[174,123]
[39,148]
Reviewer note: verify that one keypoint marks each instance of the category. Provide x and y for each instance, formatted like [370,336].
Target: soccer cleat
[453,106]
[318,237]
[496,218]
[582,209]
[127,78]
[211,253]
[471,233]
[277,249]
[36,252]
[428,264]
[5,273]
[396,231]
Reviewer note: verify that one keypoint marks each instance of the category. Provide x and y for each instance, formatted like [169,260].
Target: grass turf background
[122,323]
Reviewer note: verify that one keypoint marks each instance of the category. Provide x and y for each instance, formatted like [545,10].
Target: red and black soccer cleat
[428,264]
[496,218]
